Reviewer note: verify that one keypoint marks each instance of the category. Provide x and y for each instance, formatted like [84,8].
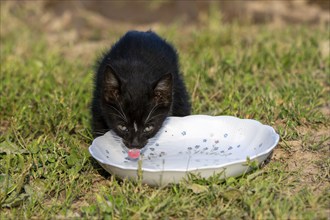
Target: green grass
[274,75]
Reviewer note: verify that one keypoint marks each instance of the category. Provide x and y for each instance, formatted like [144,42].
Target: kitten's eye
[148,128]
[122,127]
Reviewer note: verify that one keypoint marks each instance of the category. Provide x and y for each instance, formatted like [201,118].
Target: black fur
[137,85]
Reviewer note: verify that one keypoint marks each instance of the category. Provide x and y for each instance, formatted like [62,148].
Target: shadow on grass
[100,170]
[267,161]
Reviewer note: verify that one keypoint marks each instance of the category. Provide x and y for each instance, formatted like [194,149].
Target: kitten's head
[135,108]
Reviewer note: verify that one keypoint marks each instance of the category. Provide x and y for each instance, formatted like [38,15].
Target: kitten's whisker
[100,132]
[114,108]
[122,116]
[151,111]
[155,116]
[121,109]
[121,112]
[118,116]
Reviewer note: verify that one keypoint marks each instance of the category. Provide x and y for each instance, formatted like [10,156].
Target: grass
[275,75]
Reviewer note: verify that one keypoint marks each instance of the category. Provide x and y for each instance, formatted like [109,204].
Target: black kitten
[137,85]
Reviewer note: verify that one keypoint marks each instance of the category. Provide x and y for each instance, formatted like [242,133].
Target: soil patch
[310,163]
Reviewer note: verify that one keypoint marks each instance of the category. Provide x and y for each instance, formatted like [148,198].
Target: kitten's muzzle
[135,144]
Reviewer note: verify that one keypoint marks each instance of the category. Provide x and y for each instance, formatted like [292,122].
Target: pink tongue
[134,153]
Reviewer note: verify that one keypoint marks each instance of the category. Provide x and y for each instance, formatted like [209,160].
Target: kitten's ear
[163,90]
[111,85]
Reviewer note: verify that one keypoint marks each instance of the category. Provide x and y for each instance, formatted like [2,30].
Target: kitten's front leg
[99,126]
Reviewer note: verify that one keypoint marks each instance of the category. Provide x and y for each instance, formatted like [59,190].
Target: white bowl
[201,144]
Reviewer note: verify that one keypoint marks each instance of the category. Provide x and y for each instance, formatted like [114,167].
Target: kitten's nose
[135,143]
